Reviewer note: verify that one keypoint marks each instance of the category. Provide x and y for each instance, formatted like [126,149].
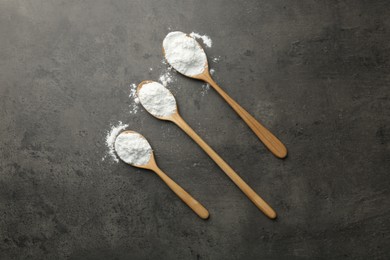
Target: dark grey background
[315,72]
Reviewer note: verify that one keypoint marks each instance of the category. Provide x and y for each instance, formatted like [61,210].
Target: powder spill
[110,139]
[206,39]
[184,53]
[157,100]
[166,77]
[206,87]
[216,59]
[133,148]
[135,101]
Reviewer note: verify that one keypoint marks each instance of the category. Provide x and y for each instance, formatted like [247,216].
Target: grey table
[315,72]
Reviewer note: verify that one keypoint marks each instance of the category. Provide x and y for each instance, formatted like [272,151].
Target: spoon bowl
[150,164]
[265,136]
[166,118]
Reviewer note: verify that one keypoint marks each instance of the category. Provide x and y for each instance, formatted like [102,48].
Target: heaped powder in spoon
[184,53]
[157,100]
[133,148]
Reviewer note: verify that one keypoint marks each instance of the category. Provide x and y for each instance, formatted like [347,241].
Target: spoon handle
[251,194]
[269,140]
[183,195]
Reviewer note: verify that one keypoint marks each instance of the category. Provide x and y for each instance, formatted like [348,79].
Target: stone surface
[315,72]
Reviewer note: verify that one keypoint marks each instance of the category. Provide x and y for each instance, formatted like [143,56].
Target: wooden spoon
[268,139]
[249,192]
[180,192]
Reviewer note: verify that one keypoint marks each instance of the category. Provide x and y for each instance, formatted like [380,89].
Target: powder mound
[184,53]
[157,100]
[133,148]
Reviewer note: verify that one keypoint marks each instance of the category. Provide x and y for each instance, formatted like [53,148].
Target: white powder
[206,39]
[110,139]
[206,87]
[157,100]
[133,97]
[184,53]
[167,75]
[165,78]
[133,148]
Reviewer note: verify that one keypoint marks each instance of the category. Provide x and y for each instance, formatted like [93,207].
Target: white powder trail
[110,139]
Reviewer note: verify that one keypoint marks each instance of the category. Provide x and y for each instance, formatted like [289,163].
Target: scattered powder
[166,78]
[167,75]
[157,100]
[206,87]
[206,39]
[110,139]
[216,59]
[133,148]
[184,53]
[135,101]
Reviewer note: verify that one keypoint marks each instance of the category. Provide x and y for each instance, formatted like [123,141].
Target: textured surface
[315,72]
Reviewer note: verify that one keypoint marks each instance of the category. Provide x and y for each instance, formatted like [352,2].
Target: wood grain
[248,191]
[198,208]
[269,140]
